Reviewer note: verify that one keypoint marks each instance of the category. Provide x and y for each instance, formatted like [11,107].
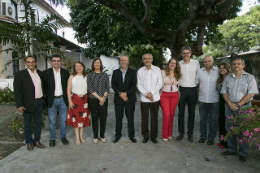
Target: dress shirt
[123,74]
[36,82]
[189,72]
[149,81]
[237,88]
[208,85]
[58,88]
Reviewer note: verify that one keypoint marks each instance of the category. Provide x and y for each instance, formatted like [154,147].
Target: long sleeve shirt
[99,83]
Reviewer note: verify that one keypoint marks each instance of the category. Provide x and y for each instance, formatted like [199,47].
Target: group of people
[220,94]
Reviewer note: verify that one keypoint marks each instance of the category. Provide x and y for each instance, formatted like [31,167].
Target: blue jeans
[37,116]
[211,110]
[232,141]
[59,105]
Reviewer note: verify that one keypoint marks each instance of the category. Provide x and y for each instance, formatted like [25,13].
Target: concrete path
[126,157]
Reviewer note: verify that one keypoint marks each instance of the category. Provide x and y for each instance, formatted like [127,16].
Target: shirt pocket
[243,88]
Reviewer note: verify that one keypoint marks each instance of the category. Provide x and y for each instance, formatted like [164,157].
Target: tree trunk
[161,57]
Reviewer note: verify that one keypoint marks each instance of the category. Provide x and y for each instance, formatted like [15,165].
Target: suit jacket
[24,91]
[49,85]
[128,86]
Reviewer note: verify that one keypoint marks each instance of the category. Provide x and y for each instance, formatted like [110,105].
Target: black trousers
[129,112]
[153,107]
[98,114]
[189,96]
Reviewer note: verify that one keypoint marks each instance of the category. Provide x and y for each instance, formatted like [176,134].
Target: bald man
[206,79]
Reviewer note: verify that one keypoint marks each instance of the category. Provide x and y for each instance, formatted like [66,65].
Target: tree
[168,23]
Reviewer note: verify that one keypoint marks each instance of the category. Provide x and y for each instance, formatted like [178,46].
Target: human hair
[101,65]
[243,61]
[55,55]
[177,70]
[220,76]
[74,69]
[209,56]
[30,56]
[147,54]
[185,48]
[125,56]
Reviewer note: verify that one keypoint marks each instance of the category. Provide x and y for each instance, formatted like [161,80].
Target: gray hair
[185,48]
[209,56]
[147,54]
[123,56]
[243,61]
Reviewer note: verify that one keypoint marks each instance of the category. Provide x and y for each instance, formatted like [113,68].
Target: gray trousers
[232,141]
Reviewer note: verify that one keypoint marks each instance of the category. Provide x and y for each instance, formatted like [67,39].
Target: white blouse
[79,85]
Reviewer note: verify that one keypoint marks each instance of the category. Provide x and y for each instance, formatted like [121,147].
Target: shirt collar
[152,67]
[55,71]
[125,70]
[243,73]
[214,68]
[191,60]
[31,71]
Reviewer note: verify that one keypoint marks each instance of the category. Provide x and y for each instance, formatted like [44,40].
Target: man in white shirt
[149,82]
[208,100]
[188,91]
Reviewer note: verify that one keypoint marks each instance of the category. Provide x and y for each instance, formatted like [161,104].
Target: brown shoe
[38,144]
[29,146]
[190,137]
[179,137]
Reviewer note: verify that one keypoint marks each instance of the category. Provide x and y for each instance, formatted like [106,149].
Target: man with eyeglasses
[29,100]
[55,88]
[188,92]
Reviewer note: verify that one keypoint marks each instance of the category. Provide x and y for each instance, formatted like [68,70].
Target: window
[15,63]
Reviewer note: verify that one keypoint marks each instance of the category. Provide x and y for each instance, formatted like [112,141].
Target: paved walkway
[126,157]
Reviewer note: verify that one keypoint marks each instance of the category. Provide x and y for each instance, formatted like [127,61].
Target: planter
[46,121]
[256,103]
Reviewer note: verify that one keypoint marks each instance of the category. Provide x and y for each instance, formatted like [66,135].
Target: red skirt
[79,115]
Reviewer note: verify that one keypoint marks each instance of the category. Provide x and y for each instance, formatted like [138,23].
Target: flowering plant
[248,125]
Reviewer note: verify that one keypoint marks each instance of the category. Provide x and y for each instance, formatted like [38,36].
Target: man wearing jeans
[208,100]
[238,90]
[55,88]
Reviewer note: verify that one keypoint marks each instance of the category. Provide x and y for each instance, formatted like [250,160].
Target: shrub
[17,125]
[6,95]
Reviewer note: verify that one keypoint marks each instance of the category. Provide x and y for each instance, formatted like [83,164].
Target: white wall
[6,83]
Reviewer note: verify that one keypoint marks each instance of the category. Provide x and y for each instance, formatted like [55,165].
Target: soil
[8,142]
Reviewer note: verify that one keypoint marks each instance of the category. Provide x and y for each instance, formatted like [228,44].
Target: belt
[246,103]
[57,96]
[188,87]
[37,98]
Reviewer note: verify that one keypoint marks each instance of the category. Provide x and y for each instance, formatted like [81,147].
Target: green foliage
[17,125]
[6,95]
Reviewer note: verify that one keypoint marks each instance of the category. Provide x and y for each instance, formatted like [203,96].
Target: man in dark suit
[55,88]
[124,84]
[28,97]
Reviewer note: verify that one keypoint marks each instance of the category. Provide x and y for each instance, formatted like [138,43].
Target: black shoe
[52,143]
[64,141]
[154,141]
[179,137]
[190,137]
[116,139]
[210,142]
[227,153]
[132,139]
[145,140]
[242,158]
[202,140]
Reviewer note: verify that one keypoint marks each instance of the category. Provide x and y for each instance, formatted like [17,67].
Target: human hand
[71,105]
[125,99]
[233,106]
[122,94]
[20,109]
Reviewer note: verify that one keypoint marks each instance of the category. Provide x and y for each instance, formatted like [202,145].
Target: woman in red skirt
[78,112]
[169,96]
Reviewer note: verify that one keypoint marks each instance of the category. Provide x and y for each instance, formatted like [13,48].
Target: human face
[97,65]
[172,64]
[30,63]
[147,60]
[208,62]
[79,68]
[124,62]
[238,66]
[56,62]
[186,54]
[222,70]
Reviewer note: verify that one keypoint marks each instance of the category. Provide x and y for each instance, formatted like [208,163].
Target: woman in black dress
[224,70]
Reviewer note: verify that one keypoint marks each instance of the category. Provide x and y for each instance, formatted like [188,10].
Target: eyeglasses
[55,60]
[147,58]
[185,53]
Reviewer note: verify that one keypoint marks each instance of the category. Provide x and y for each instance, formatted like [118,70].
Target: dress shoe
[103,140]
[202,140]
[29,146]
[165,140]
[145,140]
[133,139]
[219,144]
[227,153]
[116,139]
[179,137]
[95,141]
[64,141]
[242,158]
[170,138]
[38,144]
[210,142]
[154,141]
[190,137]
[52,143]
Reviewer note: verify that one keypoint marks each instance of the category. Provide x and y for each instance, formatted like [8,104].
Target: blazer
[49,85]
[129,86]
[24,91]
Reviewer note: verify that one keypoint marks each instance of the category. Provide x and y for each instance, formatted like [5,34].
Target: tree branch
[197,48]
[147,13]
